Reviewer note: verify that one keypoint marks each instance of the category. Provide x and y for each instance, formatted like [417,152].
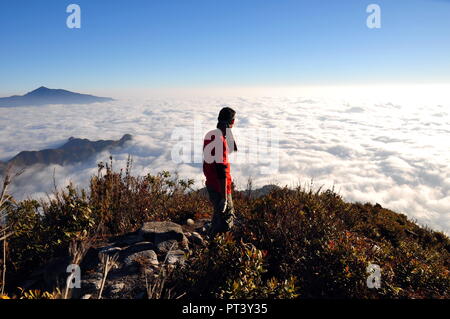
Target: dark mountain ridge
[75,150]
[44,96]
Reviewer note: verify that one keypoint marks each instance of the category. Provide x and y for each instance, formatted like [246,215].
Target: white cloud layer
[391,151]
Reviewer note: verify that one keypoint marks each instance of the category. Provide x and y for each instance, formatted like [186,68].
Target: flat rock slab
[158,232]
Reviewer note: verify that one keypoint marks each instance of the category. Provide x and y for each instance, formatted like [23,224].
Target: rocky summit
[140,257]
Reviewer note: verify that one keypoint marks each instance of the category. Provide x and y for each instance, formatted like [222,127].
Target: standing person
[217,145]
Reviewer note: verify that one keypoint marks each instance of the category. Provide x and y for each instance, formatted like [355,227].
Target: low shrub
[287,243]
[230,269]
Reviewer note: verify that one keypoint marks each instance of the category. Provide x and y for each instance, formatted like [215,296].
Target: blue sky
[221,43]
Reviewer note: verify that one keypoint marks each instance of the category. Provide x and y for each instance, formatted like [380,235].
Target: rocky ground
[139,258]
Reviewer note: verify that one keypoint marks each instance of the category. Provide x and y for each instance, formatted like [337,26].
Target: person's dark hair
[226,115]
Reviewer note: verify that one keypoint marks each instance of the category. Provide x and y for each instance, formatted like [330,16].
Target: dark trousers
[221,222]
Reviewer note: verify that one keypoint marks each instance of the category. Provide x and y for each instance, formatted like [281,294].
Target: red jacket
[216,167]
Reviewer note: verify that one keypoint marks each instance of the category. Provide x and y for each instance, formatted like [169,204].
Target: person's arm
[223,202]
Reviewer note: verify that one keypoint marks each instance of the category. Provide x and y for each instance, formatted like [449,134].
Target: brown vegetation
[289,243]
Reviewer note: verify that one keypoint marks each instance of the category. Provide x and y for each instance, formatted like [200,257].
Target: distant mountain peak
[44,95]
[39,90]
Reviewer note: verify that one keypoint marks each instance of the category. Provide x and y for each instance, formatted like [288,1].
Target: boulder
[155,247]
[147,257]
[165,246]
[158,232]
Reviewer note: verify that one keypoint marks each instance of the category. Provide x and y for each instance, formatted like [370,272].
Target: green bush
[230,269]
[327,245]
[43,230]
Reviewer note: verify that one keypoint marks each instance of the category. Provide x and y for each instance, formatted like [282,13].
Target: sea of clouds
[394,152]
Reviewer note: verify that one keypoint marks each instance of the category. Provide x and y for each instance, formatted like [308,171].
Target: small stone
[87,296]
[190,222]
